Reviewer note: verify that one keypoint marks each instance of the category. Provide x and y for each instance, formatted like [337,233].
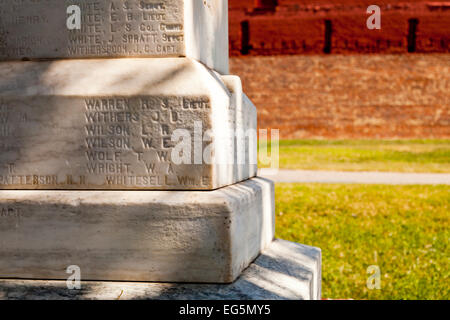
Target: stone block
[162,236]
[285,270]
[113,28]
[161,124]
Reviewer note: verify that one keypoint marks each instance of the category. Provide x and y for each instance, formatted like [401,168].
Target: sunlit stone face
[139,124]
[136,235]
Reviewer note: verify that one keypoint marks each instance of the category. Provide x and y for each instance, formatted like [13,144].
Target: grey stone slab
[285,270]
[168,236]
[31,29]
[115,124]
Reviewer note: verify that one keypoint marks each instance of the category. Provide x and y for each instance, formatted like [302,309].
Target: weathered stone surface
[32,29]
[168,236]
[285,270]
[113,124]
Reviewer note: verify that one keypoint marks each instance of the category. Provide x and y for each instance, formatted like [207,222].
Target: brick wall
[306,93]
[272,27]
[350,96]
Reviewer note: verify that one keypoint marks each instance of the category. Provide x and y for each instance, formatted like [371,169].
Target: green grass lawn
[402,229]
[366,155]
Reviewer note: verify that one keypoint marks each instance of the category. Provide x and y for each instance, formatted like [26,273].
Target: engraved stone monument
[127,150]
[44,29]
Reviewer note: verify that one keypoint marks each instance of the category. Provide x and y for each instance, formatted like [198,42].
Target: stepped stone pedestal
[138,169]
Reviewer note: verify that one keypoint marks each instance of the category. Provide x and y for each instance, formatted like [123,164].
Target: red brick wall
[272,27]
[307,94]
[350,96]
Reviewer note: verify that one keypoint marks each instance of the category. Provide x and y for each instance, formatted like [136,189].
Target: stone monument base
[284,270]
[165,236]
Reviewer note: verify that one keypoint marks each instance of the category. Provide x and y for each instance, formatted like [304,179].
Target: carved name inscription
[36,29]
[10,212]
[100,142]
